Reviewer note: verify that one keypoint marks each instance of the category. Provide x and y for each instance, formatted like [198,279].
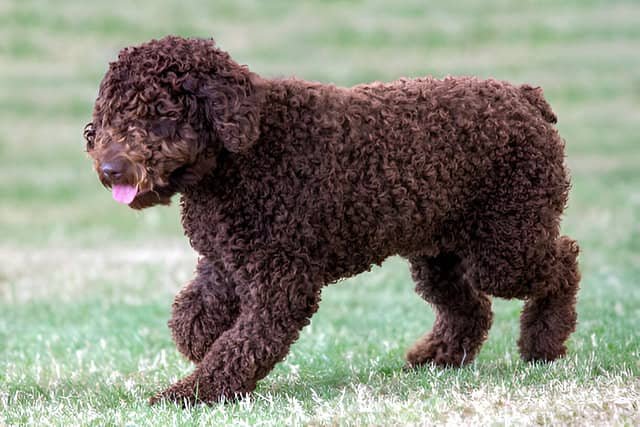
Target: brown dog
[289,185]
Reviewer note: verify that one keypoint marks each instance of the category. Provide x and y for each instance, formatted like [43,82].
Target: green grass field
[86,285]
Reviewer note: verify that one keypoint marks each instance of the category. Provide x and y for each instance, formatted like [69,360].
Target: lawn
[86,285]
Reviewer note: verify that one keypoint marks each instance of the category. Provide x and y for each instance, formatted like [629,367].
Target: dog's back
[389,168]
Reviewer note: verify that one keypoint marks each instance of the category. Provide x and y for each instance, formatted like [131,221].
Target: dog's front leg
[275,304]
[205,308]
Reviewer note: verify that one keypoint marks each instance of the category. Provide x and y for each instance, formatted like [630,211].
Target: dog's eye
[89,135]
[164,128]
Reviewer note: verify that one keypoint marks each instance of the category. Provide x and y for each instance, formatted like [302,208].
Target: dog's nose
[112,170]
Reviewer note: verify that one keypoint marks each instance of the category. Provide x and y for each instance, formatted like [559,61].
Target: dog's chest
[207,224]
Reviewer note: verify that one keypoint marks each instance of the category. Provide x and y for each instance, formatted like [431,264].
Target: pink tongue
[124,193]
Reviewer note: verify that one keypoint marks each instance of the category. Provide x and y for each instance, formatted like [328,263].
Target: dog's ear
[230,103]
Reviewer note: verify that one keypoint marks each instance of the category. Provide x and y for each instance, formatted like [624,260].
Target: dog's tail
[536,98]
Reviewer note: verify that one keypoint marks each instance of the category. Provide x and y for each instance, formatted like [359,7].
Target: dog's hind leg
[463,314]
[549,316]
[538,267]
[205,308]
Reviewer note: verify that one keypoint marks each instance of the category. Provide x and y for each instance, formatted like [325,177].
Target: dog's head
[165,112]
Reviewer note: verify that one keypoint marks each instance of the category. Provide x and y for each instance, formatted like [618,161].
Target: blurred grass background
[86,285]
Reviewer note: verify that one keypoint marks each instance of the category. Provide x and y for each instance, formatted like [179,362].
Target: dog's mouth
[124,193]
[139,198]
[140,195]
[145,199]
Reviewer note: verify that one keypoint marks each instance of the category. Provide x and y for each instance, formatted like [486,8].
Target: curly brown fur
[202,310]
[463,314]
[289,185]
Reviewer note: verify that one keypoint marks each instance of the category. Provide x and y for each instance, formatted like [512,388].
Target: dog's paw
[193,390]
[434,350]
[540,350]
[184,393]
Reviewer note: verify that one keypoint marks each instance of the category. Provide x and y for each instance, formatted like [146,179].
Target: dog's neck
[286,101]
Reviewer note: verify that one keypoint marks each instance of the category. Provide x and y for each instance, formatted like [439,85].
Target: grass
[86,286]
